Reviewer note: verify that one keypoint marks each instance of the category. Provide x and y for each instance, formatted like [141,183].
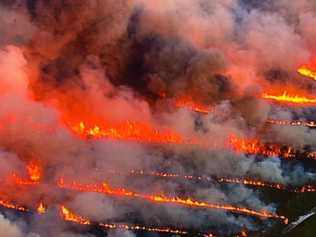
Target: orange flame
[307,72]
[9,205]
[69,216]
[253,146]
[144,228]
[285,97]
[244,181]
[20,181]
[132,131]
[106,189]
[41,209]
[34,171]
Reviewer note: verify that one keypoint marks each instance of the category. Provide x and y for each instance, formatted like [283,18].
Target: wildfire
[9,205]
[144,228]
[131,131]
[251,183]
[294,99]
[41,209]
[106,189]
[306,72]
[69,216]
[20,181]
[244,181]
[187,102]
[34,171]
[253,146]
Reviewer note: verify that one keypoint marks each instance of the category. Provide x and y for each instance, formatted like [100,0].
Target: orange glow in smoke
[187,102]
[106,189]
[34,171]
[292,99]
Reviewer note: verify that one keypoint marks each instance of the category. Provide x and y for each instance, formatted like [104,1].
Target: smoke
[120,234]
[9,229]
[108,63]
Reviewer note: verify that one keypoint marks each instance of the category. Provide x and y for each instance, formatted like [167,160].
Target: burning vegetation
[152,116]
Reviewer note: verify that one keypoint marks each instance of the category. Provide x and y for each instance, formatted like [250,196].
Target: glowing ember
[285,97]
[187,102]
[106,189]
[41,209]
[306,72]
[34,171]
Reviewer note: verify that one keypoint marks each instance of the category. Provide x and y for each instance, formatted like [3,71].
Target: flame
[106,189]
[14,178]
[41,209]
[254,146]
[307,72]
[69,216]
[131,131]
[244,181]
[144,228]
[257,183]
[34,171]
[9,205]
[293,99]
[187,102]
